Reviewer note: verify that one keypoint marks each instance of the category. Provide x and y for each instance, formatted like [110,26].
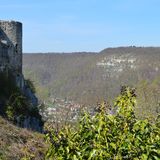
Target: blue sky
[84,25]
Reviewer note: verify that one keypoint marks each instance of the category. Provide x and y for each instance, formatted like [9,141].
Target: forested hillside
[88,78]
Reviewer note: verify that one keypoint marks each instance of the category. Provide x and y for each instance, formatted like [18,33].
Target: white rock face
[115,64]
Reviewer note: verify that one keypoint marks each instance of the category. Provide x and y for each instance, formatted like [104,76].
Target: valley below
[87,79]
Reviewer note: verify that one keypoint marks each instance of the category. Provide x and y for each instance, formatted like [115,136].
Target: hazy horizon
[84,25]
[58,52]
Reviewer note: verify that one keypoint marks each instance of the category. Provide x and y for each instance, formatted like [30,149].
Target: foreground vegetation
[108,136]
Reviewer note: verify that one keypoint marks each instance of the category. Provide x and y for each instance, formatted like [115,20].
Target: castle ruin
[11,49]
[11,56]
[11,69]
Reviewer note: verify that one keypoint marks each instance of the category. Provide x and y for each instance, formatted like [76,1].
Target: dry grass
[17,143]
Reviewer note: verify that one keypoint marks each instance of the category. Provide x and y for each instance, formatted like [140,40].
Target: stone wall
[11,36]
[4,59]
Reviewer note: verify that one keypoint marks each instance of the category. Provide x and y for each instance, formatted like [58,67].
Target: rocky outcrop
[30,122]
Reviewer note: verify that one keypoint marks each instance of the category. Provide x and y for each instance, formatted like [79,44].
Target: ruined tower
[11,44]
[11,76]
[11,49]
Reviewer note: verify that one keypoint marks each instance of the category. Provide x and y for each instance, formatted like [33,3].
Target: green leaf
[92,154]
[113,145]
[144,156]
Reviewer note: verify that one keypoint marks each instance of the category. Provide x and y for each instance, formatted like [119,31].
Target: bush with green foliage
[16,105]
[19,106]
[108,136]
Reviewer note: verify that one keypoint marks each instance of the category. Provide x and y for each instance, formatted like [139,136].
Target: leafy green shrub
[17,105]
[18,108]
[107,136]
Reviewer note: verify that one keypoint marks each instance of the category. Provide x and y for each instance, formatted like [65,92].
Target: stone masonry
[11,55]
[11,49]
[11,63]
